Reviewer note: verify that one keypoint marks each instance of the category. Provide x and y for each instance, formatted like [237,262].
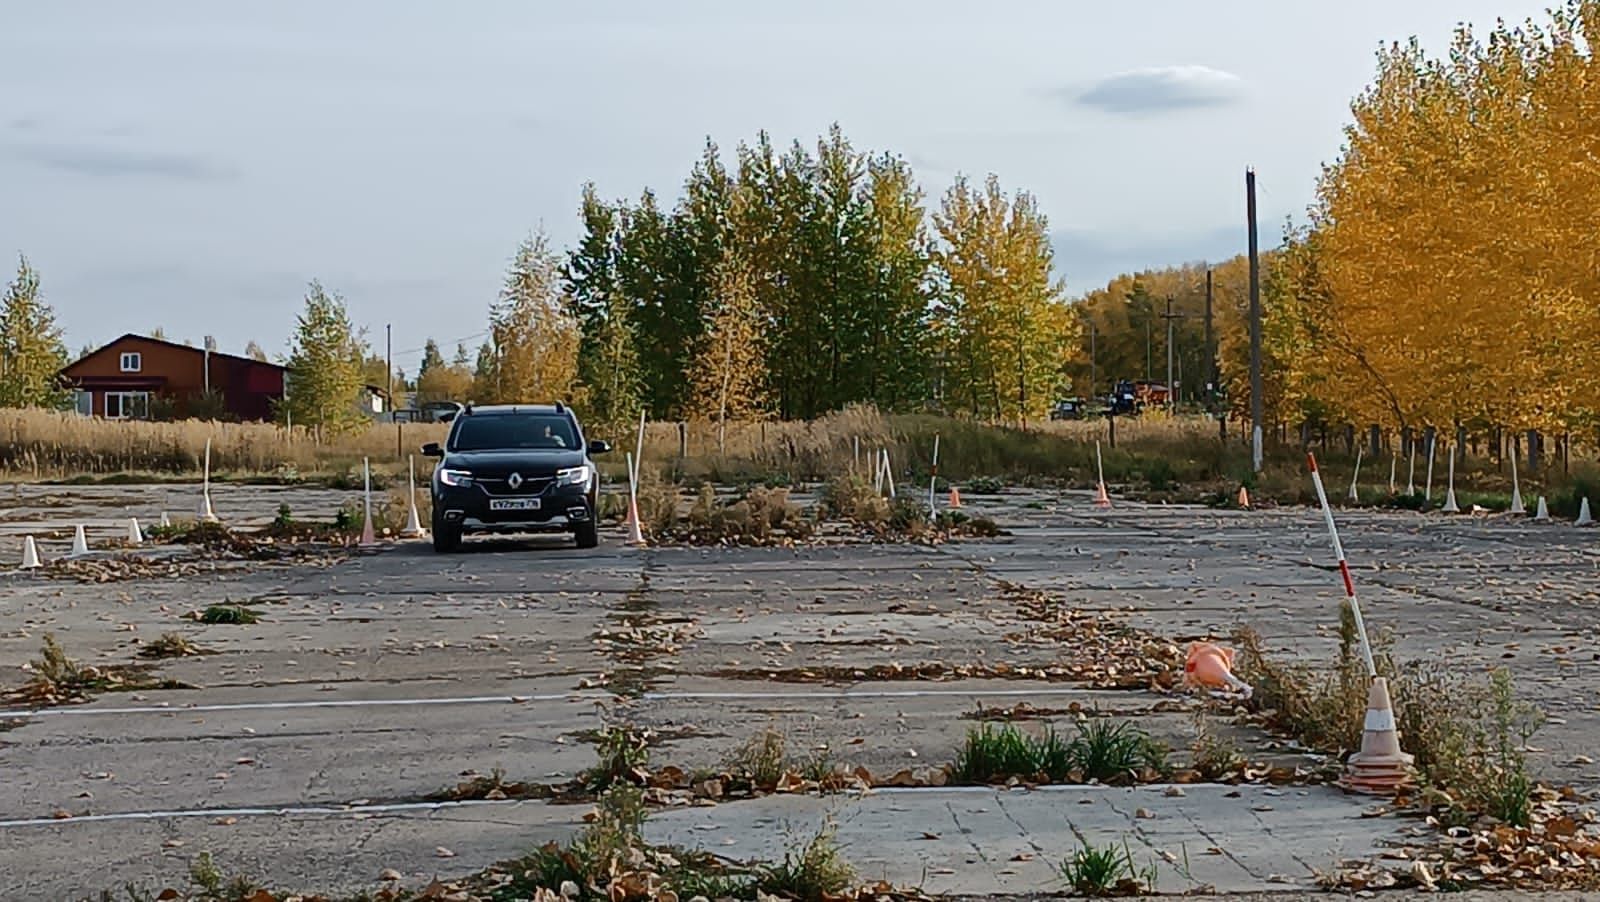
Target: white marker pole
[933,479]
[1354,496]
[1427,491]
[1344,568]
[638,453]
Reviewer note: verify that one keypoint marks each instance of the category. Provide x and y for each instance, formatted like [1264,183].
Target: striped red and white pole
[1344,566]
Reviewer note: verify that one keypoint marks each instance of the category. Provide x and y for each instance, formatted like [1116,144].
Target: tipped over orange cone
[1380,767]
[1244,498]
[955,496]
[1210,666]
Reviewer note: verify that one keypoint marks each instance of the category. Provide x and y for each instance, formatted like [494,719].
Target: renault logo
[515,481]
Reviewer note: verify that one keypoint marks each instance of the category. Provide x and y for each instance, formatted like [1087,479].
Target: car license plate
[514,504]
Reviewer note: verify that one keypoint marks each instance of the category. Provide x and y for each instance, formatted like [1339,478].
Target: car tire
[587,534]
[446,537]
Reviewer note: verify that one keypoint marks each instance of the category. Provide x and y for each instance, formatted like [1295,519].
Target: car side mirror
[432,449]
[599,447]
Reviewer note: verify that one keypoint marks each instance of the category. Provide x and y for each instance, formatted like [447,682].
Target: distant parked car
[440,411]
[1069,409]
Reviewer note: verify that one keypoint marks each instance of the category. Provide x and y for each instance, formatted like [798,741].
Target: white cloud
[1163,88]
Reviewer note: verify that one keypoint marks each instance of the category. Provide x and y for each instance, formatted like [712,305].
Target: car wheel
[446,537]
[587,534]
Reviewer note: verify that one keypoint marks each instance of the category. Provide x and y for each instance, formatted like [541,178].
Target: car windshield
[494,432]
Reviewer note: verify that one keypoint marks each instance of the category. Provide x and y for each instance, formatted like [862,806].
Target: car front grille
[530,485]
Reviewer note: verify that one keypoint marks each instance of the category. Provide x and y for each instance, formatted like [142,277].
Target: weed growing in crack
[1215,758]
[762,758]
[623,753]
[214,886]
[815,872]
[171,645]
[1105,871]
[1104,751]
[229,613]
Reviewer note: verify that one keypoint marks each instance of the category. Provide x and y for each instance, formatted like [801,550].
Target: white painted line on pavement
[871,693]
[320,703]
[314,810]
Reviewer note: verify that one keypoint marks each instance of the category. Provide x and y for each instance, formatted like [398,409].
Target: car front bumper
[472,509]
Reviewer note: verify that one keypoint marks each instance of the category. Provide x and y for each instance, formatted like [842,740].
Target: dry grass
[40,444]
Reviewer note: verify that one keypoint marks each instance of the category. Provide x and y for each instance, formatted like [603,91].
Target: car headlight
[456,478]
[573,476]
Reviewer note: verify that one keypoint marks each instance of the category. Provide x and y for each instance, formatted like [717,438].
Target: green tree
[608,363]
[32,353]
[431,358]
[535,340]
[1005,325]
[728,376]
[893,362]
[326,366]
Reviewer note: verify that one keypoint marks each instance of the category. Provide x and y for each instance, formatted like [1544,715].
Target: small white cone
[635,532]
[413,528]
[80,542]
[135,534]
[1516,489]
[367,535]
[30,554]
[1584,519]
[1541,511]
[165,522]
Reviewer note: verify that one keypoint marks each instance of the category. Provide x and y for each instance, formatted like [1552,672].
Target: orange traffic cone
[1210,666]
[955,496]
[1244,498]
[1380,768]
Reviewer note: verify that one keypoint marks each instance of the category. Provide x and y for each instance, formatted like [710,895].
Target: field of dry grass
[1158,457]
[41,445]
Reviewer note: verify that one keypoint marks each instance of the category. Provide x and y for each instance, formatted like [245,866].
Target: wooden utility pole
[1211,364]
[1093,374]
[1256,410]
[1172,390]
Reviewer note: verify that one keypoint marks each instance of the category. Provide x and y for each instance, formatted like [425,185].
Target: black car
[515,468]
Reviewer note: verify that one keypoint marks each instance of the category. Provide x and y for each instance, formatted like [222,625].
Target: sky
[192,165]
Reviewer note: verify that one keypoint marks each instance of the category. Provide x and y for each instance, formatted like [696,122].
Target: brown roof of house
[173,344]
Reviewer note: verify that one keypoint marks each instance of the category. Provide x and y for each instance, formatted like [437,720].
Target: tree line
[1445,275]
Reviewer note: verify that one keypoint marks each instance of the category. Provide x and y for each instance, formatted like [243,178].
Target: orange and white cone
[955,496]
[1101,499]
[1244,498]
[1380,768]
[367,535]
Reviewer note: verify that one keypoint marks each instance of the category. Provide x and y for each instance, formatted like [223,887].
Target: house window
[83,401]
[125,405]
[132,361]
